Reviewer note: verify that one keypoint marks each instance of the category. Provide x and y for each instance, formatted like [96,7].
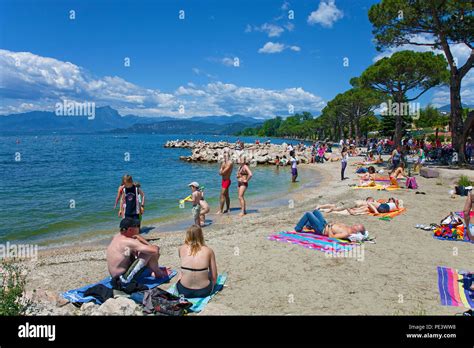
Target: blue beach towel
[77,295]
[200,302]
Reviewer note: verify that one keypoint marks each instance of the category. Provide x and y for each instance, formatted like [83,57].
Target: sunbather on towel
[359,207]
[316,221]
[128,253]
[378,208]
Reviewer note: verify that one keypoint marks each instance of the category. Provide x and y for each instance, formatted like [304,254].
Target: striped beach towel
[454,287]
[201,302]
[313,241]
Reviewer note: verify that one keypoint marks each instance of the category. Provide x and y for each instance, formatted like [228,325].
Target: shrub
[464,181]
[12,291]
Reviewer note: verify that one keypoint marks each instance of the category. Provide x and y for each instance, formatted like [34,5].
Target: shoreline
[179,224]
[263,275]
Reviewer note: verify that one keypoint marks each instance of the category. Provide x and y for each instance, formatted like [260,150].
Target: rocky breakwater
[255,154]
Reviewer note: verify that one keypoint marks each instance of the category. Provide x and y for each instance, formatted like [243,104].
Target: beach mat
[200,302]
[77,295]
[375,187]
[465,239]
[389,214]
[313,241]
[454,288]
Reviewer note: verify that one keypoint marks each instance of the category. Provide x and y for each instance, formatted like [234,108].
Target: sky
[189,58]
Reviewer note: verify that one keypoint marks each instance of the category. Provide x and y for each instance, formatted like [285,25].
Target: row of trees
[399,79]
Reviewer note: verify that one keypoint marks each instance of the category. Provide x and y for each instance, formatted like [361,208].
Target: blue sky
[46,56]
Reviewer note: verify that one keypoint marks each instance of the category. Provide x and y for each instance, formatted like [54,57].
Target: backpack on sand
[411,183]
[161,302]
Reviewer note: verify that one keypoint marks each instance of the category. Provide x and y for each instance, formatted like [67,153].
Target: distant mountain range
[107,119]
[447,108]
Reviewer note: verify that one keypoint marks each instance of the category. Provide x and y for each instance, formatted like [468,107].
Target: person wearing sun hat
[196,197]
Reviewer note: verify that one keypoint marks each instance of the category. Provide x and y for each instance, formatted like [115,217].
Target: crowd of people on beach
[129,253]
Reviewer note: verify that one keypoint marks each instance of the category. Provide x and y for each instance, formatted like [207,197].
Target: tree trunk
[357,128]
[397,138]
[457,125]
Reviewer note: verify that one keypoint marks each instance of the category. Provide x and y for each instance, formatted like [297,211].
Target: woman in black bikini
[198,266]
[244,174]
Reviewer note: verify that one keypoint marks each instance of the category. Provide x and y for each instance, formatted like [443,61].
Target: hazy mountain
[108,119]
[187,126]
[447,108]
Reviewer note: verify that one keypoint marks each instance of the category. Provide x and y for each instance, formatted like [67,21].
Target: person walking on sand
[244,174]
[294,169]
[196,197]
[344,157]
[225,171]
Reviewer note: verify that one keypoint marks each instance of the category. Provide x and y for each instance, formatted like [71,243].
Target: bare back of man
[123,250]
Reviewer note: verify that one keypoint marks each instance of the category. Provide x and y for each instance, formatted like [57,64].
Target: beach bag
[161,302]
[461,190]
[411,183]
[451,220]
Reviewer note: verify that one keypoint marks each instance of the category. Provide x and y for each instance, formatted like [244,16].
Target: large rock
[429,172]
[118,306]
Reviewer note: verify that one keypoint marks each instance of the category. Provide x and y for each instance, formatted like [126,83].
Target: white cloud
[272,30]
[326,14]
[229,62]
[31,82]
[271,47]
[275,47]
[285,6]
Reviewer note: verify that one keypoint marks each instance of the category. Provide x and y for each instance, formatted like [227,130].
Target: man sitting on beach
[316,221]
[128,253]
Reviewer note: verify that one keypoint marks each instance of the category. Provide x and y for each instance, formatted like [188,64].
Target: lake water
[61,188]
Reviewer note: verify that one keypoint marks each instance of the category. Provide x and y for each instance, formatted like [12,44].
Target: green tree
[436,24]
[405,72]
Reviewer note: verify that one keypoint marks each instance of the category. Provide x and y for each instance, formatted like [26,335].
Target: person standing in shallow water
[244,174]
[294,169]
[225,171]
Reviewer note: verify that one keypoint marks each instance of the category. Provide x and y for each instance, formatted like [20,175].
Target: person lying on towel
[360,207]
[128,253]
[316,221]
[380,208]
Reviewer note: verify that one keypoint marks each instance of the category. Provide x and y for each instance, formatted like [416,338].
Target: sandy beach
[395,276]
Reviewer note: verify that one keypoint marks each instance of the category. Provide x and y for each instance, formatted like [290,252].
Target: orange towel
[390,214]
